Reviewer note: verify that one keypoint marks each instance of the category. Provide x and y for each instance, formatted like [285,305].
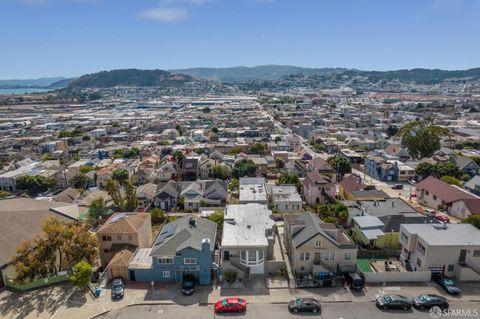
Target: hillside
[130,77]
[37,83]
[262,72]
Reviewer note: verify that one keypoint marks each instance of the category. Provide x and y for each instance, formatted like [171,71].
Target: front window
[165,260]
[404,237]
[348,256]
[421,248]
[190,261]
[476,253]
[318,243]
[304,256]
[330,255]
[166,274]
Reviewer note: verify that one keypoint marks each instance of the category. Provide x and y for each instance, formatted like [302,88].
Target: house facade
[450,249]
[318,189]
[315,247]
[183,247]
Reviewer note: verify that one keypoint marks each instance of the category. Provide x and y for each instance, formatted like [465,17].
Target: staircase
[215,264]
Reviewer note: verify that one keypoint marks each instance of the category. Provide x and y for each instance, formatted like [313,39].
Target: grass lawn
[364,265]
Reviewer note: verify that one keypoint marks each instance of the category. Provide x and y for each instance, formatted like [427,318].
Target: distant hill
[37,83]
[262,72]
[129,77]
[420,76]
[61,84]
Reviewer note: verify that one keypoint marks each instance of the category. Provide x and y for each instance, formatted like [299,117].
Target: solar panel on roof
[167,231]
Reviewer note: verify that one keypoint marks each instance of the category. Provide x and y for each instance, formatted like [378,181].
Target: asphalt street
[348,310]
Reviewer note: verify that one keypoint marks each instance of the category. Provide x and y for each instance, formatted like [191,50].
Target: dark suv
[188,285]
[354,281]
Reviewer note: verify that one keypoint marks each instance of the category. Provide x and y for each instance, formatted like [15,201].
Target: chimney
[206,244]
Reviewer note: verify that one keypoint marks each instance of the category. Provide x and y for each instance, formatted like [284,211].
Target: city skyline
[45,38]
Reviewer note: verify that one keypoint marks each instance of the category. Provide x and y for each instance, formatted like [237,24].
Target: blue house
[381,169]
[183,247]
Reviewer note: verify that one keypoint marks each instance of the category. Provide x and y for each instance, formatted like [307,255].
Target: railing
[61,277]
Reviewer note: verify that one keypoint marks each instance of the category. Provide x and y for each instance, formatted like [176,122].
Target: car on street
[354,281]
[188,285]
[446,283]
[394,302]
[397,186]
[412,182]
[413,195]
[118,290]
[304,305]
[429,301]
[442,218]
[230,305]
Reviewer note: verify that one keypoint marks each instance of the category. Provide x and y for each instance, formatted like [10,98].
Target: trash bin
[98,291]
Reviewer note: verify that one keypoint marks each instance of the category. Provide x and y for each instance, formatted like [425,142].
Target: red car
[442,218]
[231,305]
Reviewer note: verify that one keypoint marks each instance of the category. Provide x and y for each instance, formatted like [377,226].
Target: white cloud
[164,14]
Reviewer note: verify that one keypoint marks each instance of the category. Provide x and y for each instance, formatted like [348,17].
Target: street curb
[101,314]
[166,303]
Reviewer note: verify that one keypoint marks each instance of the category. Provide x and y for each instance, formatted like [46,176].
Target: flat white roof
[246,224]
[141,259]
[450,235]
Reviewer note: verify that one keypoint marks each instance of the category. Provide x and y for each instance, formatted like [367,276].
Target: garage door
[118,272]
[436,269]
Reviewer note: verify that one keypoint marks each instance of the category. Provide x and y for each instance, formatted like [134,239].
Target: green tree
[257,148]
[244,167]
[340,164]
[131,199]
[120,174]
[113,189]
[392,130]
[332,213]
[278,139]
[234,185]
[290,179]
[279,162]
[473,219]
[82,274]
[221,172]
[425,169]
[450,180]
[421,139]
[64,133]
[448,169]
[215,130]
[35,184]
[180,129]
[48,157]
[79,181]
[179,157]
[4,194]
[157,214]
[217,217]
[97,208]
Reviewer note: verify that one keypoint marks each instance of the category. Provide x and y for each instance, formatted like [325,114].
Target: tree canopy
[79,181]
[440,170]
[62,245]
[341,164]
[82,273]
[421,139]
[244,168]
[473,219]
[34,185]
[290,179]
[97,208]
[221,172]
[121,175]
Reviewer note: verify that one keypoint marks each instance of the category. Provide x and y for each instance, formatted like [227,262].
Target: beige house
[450,249]
[314,246]
[123,232]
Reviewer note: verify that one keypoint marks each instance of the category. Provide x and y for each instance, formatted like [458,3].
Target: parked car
[442,218]
[447,284]
[430,301]
[354,281]
[397,186]
[413,195]
[394,302]
[231,305]
[304,305]
[188,285]
[118,290]
[412,182]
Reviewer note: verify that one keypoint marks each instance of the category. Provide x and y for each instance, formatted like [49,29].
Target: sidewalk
[63,302]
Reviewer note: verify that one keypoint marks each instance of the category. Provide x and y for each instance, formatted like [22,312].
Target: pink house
[318,188]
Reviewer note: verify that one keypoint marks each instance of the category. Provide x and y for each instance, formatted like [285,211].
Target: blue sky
[73,37]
